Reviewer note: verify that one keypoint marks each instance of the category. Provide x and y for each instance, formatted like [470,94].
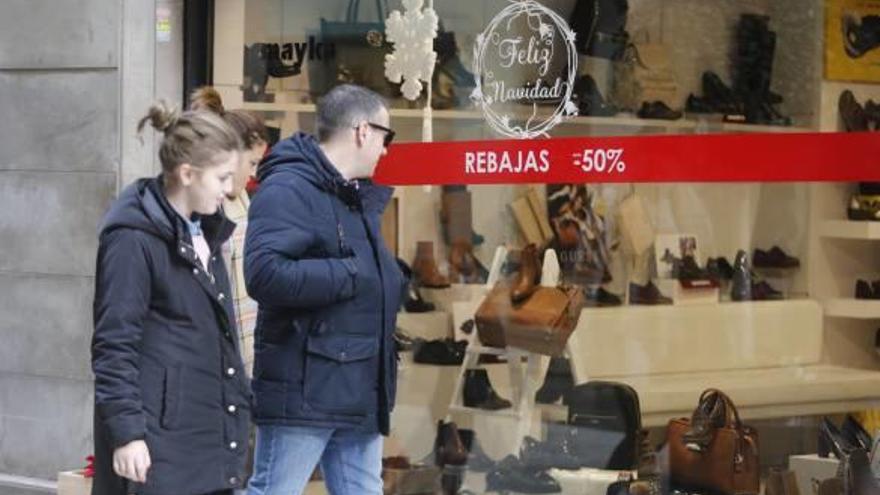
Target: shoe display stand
[524,380]
[842,251]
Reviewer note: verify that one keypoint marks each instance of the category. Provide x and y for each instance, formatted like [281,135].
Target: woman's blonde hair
[195,137]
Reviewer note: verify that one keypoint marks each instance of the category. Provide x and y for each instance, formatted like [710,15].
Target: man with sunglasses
[328,290]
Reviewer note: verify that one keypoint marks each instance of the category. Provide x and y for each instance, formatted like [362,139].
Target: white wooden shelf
[622,120]
[864,309]
[848,229]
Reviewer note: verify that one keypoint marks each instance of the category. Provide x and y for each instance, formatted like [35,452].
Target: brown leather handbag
[541,324]
[713,450]
[492,314]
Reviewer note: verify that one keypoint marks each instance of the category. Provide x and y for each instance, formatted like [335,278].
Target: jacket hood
[301,155]
[143,206]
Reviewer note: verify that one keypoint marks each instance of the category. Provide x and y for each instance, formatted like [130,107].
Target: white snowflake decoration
[413,58]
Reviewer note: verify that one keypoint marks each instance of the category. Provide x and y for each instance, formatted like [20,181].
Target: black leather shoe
[557,382]
[762,291]
[774,258]
[590,100]
[855,434]
[478,392]
[647,294]
[446,352]
[657,110]
[601,298]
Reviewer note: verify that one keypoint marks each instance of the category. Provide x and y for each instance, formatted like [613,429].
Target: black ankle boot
[557,381]
[590,100]
[478,391]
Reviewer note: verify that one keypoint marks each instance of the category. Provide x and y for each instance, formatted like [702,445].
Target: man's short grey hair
[344,107]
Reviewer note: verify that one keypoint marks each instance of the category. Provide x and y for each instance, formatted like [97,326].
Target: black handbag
[605,419]
[359,47]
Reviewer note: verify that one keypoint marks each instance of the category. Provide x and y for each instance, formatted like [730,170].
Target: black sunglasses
[389,133]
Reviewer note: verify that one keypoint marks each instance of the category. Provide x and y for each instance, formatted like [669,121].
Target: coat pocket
[171,396]
[341,373]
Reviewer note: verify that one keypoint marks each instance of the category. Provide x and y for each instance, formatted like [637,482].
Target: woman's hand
[132,461]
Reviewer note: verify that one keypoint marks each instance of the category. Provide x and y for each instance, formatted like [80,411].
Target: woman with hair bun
[252,132]
[172,402]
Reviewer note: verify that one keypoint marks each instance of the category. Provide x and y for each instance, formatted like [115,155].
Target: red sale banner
[835,157]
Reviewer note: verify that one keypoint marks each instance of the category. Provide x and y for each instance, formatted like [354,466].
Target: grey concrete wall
[74,77]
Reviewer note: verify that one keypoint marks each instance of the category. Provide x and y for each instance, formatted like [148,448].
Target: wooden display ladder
[523,380]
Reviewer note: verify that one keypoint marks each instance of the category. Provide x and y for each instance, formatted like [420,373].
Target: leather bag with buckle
[541,324]
[714,450]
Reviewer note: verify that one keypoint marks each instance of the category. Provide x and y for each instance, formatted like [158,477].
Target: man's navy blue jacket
[328,291]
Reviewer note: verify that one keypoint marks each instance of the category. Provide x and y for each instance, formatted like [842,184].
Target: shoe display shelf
[523,380]
[847,250]
[842,251]
[852,308]
[622,123]
[850,229]
[767,355]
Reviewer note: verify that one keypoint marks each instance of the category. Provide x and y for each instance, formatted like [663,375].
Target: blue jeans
[285,457]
